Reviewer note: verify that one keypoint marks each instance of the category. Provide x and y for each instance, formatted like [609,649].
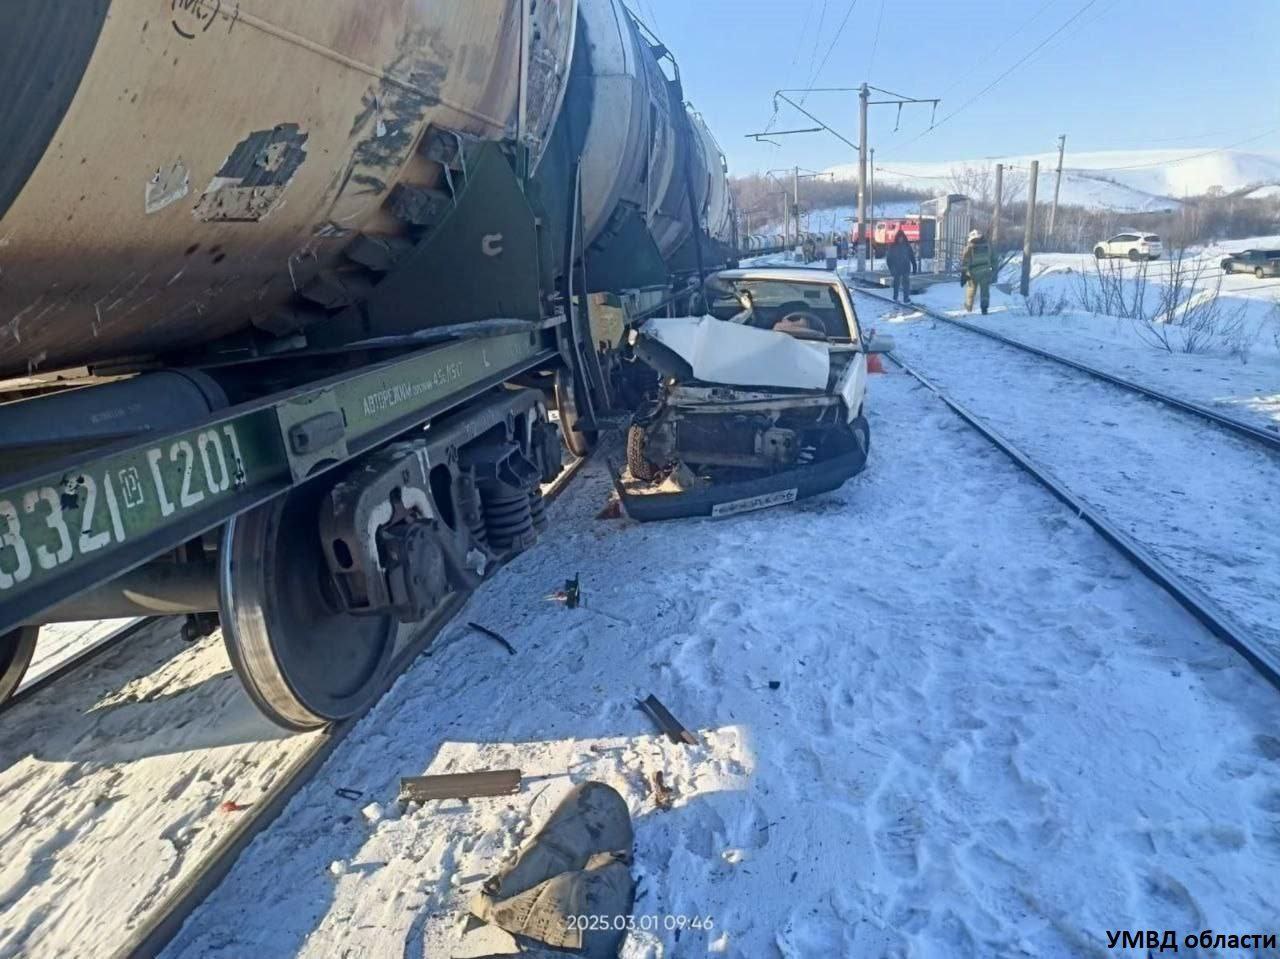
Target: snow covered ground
[110,783]
[1237,370]
[938,718]
[1121,180]
[1204,500]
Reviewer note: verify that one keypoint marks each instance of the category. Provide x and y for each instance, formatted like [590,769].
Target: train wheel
[16,649]
[303,659]
[579,442]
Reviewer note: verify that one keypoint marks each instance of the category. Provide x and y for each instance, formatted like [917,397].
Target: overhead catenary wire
[986,57]
[1025,57]
[817,41]
[835,40]
[795,59]
[875,42]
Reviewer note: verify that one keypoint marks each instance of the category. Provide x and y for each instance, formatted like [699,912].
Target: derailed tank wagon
[251,251]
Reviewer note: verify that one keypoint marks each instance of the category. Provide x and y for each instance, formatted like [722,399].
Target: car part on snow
[661,716]
[497,638]
[571,595]
[577,865]
[500,782]
[728,498]
[664,796]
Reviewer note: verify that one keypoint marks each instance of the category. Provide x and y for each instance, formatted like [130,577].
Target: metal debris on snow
[666,722]
[498,782]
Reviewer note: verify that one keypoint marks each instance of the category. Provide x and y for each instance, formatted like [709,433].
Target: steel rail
[1257,434]
[1219,622]
[155,933]
[75,661]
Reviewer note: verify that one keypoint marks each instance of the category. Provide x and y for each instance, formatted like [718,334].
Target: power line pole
[871,191]
[1029,235]
[995,216]
[864,100]
[1057,186]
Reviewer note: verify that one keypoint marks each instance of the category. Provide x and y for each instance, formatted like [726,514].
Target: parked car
[1136,246]
[1261,263]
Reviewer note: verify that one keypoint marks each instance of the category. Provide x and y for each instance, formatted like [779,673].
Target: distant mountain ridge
[1122,180]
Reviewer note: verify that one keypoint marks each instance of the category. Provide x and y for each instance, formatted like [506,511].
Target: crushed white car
[759,403]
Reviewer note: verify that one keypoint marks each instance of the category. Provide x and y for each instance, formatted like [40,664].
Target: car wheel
[637,460]
[1259,273]
[1226,268]
[1135,256]
[1100,253]
[861,430]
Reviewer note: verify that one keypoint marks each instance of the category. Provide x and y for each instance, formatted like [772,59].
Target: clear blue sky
[1126,74]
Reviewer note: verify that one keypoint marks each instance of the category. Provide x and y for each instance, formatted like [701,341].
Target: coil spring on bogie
[475,523]
[538,509]
[508,519]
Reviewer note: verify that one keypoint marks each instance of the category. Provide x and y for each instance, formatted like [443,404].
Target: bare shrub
[1108,291]
[1191,315]
[1039,303]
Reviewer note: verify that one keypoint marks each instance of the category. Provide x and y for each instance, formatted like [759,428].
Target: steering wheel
[803,325]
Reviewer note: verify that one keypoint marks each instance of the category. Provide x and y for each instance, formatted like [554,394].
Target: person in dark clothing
[901,260]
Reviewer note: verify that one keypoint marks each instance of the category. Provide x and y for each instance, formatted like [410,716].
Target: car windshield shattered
[777,304]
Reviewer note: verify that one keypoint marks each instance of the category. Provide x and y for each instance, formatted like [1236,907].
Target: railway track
[1239,427]
[1221,622]
[163,922]
[151,937]
[74,663]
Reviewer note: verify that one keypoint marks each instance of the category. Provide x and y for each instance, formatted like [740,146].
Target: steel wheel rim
[17,647]
[302,662]
[579,442]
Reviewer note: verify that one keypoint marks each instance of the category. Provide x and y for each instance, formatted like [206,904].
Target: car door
[853,385]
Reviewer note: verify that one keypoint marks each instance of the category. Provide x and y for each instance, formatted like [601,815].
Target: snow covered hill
[1122,180]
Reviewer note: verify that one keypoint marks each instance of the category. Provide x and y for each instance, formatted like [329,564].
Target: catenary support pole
[1028,236]
[995,215]
[1057,185]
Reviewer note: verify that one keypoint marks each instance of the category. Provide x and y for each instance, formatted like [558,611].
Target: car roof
[794,274]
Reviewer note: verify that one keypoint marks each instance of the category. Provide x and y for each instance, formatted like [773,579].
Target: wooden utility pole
[1029,235]
[1057,186]
[995,216]
[864,98]
[871,198]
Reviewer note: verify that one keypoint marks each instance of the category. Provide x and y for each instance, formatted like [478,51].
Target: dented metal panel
[181,167]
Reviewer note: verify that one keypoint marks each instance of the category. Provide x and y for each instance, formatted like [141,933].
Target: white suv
[1136,246]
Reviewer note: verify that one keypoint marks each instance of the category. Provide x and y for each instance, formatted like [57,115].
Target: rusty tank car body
[195,164]
[251,250]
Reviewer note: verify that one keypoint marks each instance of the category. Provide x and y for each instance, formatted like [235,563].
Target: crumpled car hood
[737,355]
